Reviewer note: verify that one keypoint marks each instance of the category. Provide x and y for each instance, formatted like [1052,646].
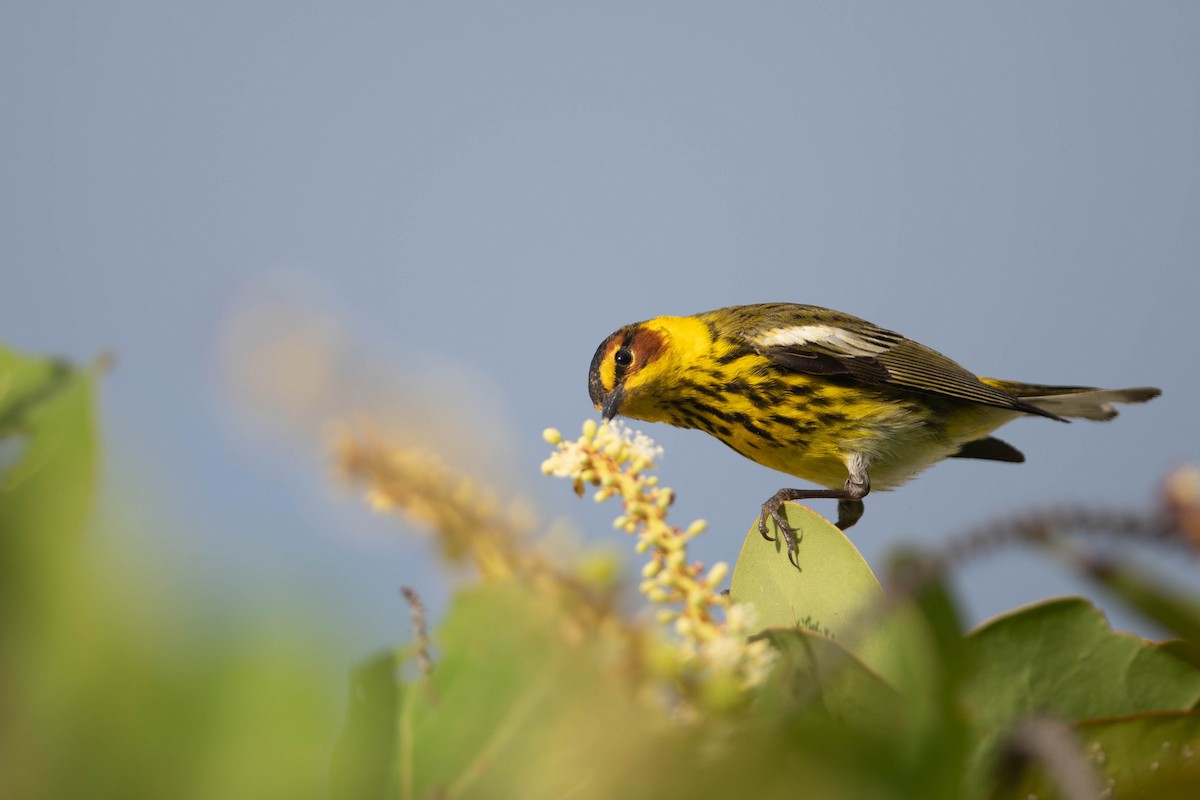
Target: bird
[823,396]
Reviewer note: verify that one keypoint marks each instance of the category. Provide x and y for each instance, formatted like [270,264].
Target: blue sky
[486,191]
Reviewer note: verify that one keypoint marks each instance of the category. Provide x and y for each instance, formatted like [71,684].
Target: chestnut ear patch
[646,344]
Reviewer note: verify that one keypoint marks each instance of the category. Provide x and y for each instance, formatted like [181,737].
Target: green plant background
[113,687]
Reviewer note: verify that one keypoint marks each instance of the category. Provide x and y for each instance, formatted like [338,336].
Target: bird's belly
[897,441]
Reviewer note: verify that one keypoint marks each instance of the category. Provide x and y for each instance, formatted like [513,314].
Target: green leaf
[364,760]
[48,465]
[833,593]
[827,594]
[1174,610]
[1061,659]
[512,708]
[516,706]
[815,672]
[841,618]
[47,472]
[1145,755]
[839,713]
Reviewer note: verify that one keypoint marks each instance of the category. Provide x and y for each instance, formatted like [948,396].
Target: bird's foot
[773,510]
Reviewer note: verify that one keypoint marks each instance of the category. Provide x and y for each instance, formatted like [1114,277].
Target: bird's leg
[850,505]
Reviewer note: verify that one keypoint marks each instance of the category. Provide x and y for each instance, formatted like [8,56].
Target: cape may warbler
[822,395]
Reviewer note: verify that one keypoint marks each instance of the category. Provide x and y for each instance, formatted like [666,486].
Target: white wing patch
[837,339]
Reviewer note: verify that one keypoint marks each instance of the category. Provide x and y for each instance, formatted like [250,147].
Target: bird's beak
[612,404]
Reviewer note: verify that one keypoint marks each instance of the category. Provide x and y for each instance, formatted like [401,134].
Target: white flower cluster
[613,438]
[568,460]
[639,444]
[712,652]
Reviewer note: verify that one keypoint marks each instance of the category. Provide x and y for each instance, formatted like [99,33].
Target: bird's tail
[1086,402]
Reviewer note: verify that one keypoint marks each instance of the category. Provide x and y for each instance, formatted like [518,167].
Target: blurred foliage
[109,686]
[537,683]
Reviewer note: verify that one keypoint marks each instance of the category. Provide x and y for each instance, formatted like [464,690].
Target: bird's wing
[831,343]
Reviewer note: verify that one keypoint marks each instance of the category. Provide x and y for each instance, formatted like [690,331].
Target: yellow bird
[822,395]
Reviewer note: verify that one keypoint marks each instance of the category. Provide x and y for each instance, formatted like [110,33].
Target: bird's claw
[774,510]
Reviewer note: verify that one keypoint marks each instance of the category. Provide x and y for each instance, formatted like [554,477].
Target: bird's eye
[623,357]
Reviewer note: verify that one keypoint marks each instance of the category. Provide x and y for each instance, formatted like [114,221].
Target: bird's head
[634,369]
